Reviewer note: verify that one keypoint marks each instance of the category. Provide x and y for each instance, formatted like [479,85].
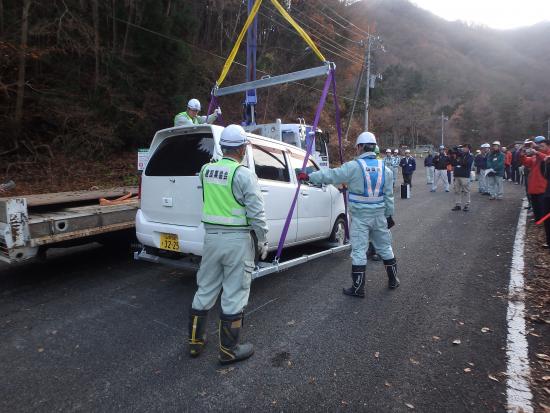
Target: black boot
[358,277]
[391,269]
[197,331]
[230,349]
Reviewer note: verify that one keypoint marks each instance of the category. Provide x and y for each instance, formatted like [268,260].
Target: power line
[332,41]
[347,21]
[214,54]
[363,33]
[321,44]
[321,24]
[320,35]
[325,47]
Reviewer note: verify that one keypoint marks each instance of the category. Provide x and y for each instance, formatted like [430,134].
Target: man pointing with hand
[371,202]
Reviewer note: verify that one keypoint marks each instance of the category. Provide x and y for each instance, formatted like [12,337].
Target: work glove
[391,222]
[302,176]
[218,112]
[262,249]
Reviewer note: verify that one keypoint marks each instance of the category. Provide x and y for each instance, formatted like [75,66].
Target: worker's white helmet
[366,137]
[233,136]
[442,147]
[485,145]
[407,151]
[396,151]
[496,143]
[388,150]
[194,104]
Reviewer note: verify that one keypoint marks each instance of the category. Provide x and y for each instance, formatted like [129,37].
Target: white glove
[262,249]
[218,112]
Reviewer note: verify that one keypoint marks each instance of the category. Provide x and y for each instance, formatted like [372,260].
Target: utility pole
[548,130]
[443,119]
[367,86]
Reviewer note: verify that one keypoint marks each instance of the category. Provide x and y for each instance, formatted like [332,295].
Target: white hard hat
[407,151]
[396,151]
[485,145]
[496,143]
[504,147]
[366,137]
[528,141]
[234,136]
[194,104]
[442,147]
[388,150]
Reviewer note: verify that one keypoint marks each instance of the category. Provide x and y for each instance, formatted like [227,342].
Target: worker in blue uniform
[371,206]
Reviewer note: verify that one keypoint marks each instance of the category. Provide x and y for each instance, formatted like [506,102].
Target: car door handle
[265,191]
[304,193]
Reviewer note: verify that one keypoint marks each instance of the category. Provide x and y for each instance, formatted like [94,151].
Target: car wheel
[338,234]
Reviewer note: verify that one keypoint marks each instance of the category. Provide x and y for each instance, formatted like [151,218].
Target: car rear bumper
[191,239]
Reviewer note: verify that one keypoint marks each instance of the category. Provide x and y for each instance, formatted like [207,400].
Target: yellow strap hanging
[229,61]
[300,31]
[249,20]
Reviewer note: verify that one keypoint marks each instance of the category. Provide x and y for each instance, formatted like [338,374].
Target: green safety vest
[220,206]
[194,120]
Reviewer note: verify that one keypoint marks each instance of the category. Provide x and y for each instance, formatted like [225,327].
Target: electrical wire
[321,24]
[329,41]
[332,41]
[216,55]
[325,47]
[347,21]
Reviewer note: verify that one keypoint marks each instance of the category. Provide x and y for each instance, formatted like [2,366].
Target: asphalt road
[90,330]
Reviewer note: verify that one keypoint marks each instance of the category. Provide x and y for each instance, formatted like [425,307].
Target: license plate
[169,242]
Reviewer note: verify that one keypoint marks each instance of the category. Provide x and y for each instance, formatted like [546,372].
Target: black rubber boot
[391,270]
[230,349]
[197,331]
[358,287]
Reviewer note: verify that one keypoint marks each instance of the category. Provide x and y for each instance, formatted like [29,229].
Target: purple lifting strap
[308,153]
[214,104]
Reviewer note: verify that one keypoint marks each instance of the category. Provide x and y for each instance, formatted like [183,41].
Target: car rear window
[182,155]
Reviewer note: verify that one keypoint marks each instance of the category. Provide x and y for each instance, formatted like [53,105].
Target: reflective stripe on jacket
[374,178]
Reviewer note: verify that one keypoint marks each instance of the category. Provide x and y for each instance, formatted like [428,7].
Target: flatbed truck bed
[30,224]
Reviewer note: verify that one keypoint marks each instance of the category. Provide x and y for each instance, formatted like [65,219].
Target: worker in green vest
[191,116]
[233,207]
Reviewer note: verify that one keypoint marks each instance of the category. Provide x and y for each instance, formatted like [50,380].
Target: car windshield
[181,155]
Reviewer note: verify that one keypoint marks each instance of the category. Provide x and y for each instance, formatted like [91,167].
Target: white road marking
[518,392]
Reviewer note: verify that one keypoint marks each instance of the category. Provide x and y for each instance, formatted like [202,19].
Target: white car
[169,218]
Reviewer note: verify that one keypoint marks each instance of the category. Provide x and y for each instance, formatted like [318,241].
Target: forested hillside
[89,80]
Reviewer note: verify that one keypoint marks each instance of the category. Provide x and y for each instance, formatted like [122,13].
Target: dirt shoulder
[60,174]
[537,288]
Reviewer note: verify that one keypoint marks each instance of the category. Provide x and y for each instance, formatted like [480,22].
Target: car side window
[270,164]
[297,162]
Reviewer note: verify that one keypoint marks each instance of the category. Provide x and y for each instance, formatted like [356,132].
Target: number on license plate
[169,242]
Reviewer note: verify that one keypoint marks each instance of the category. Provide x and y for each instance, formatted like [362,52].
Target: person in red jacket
[507,164]
[536,183]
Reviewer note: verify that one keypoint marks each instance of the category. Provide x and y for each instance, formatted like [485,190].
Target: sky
[498,14]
